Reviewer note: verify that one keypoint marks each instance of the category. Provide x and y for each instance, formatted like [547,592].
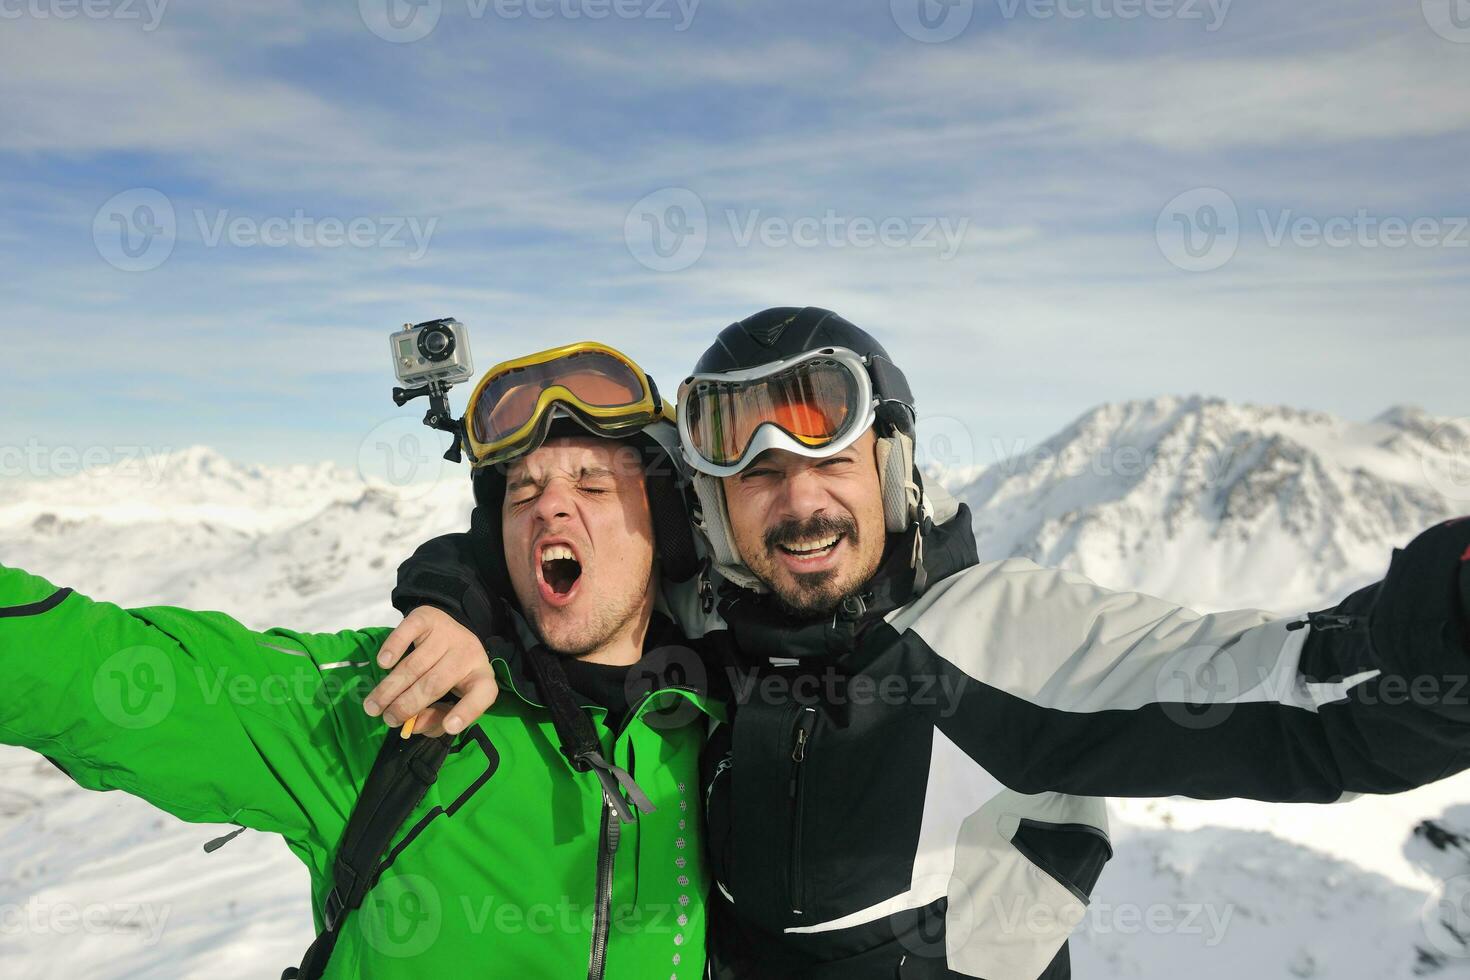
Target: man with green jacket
[561,836]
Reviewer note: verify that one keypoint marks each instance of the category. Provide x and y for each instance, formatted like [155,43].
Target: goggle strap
[889,383]
[894,416]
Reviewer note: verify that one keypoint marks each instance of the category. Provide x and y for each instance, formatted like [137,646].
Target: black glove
[444,573]
[1420,623]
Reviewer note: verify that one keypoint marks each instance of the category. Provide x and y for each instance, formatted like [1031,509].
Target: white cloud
[1410,84]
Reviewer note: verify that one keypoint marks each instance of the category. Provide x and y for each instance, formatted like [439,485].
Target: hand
[446,658]
[1422,614]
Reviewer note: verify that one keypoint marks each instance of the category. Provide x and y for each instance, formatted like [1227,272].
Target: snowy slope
[1213,503]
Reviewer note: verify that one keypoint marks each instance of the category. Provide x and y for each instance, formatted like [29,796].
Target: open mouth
[812,549]
[560,570]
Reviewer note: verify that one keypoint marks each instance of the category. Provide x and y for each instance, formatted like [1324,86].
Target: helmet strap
[916,561]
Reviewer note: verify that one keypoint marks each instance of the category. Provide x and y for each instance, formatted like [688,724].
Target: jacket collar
[762,630]
[665,660]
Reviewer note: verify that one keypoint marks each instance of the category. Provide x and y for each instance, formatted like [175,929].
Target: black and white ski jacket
[915,787]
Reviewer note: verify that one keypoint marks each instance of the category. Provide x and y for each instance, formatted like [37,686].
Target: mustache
[790,531]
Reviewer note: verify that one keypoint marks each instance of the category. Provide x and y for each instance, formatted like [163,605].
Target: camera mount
[439,416]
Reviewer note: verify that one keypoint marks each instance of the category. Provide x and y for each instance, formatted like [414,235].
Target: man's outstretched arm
[1059,685]
[189,710]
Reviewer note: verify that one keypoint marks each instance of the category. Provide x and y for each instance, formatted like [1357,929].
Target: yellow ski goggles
[510,410]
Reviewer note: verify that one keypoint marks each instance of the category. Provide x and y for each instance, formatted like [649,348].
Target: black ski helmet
[668,503]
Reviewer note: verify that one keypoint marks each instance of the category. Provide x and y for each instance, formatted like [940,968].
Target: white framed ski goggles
[814,405]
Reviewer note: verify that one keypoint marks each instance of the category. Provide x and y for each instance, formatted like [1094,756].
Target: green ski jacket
[509,867]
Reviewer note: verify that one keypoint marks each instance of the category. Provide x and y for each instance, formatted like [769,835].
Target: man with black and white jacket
[913,782]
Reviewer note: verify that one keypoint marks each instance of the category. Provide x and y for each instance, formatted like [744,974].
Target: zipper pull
[219,842]
[1327,621]
[798,754]
[804,724]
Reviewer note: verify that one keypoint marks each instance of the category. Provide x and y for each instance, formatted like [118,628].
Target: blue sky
[1082,201]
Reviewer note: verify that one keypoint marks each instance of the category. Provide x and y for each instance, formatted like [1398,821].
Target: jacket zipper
[806,720]
[612,831]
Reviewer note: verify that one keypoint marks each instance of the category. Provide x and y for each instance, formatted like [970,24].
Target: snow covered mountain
[1222,505]
[311,546]
[1216,504]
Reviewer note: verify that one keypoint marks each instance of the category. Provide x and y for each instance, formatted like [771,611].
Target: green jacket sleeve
[189,710]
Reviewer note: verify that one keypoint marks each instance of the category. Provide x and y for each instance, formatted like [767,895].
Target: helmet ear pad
[715,519]
[673,531]
[901,493]
[485,530]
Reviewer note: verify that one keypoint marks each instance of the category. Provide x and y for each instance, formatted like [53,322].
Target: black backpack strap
[401,775]
[577,736]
